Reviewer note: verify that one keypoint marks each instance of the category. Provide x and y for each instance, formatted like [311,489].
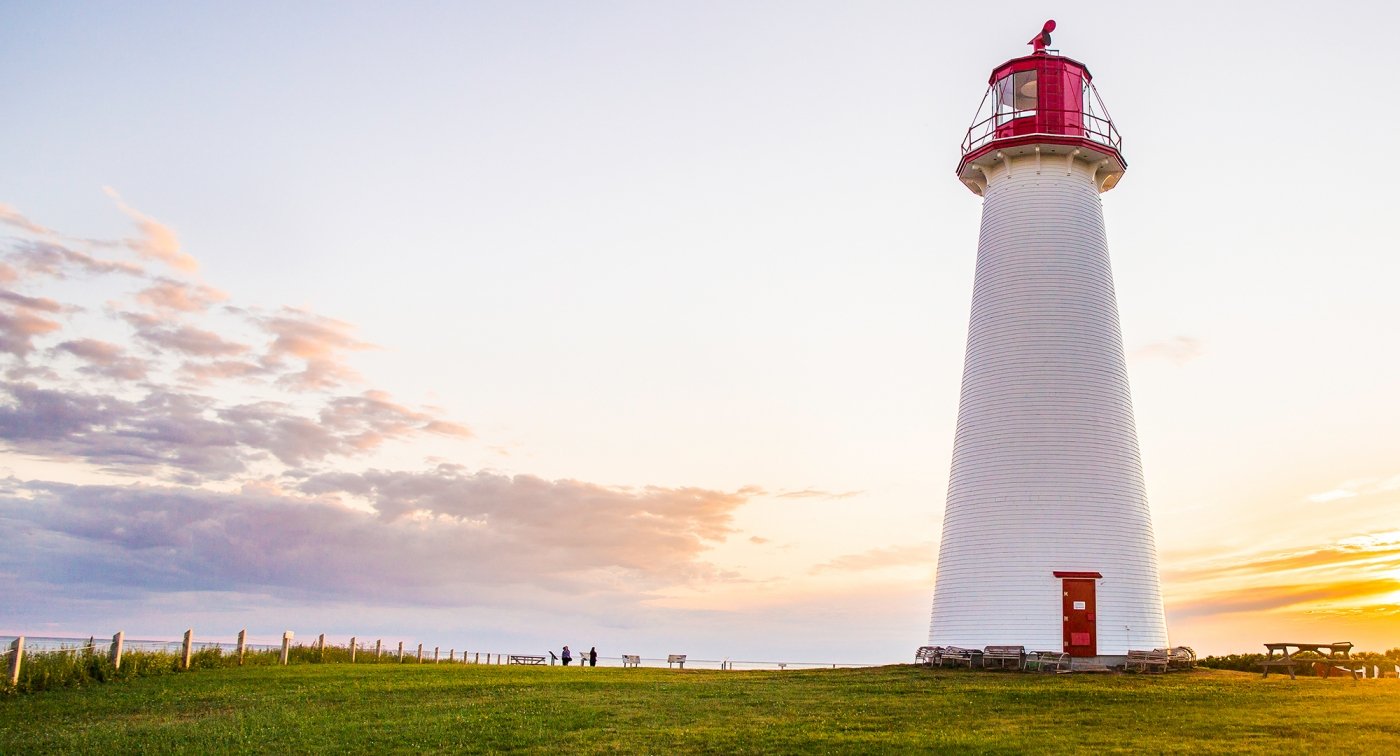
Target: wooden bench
[631,660]
[1047,661]
[927,655]
[1005,657]
[525,659]
[952,656]
[677,659]
[1148,661]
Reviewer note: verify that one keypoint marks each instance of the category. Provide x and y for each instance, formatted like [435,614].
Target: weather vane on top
[1042,40]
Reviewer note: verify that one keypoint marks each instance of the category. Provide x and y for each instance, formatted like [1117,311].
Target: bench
[1047,661]
[927,655]
[952,656]
[678,659]
[631,660]
[525,659]
[1148,661]
[1182,657]
[1005,657]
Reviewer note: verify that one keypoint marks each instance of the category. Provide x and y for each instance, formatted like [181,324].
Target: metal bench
[952,656]
[1004,657]
[525,659]
[631,660]
[677,659]
[1148,661]
[1047,661]
[927,655]
[1182,657]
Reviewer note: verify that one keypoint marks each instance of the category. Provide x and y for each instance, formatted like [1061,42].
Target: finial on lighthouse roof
[1042,40]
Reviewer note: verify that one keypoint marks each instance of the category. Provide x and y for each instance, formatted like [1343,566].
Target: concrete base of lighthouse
[1046,478]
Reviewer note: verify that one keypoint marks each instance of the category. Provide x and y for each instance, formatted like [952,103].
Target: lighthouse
[1047,536]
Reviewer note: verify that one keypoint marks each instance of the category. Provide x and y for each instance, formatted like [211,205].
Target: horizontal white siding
[1046,474]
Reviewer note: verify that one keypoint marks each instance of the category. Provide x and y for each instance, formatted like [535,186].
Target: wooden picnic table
[1333,654]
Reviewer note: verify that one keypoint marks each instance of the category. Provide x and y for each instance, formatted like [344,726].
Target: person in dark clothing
[593,656]
[566,656]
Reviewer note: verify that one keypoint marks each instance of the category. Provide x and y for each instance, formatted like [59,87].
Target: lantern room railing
[1022,123]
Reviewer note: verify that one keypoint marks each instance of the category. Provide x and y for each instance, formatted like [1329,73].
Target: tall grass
[79,666]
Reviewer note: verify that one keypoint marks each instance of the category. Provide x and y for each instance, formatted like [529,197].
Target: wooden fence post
[186,649]
[478,658]
[451,655]
[352,649]
[116,654]
[377,647]
[400,652]
[242,644]
[420,653]
[286,646]
[435,654]
[321,647]
[16,655]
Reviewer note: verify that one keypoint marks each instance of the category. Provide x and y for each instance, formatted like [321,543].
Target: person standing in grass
[593,656]
[566,656]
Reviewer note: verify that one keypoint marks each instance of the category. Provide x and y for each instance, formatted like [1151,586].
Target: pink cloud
[12,217]
[168,294]
[319,342]
[158,241]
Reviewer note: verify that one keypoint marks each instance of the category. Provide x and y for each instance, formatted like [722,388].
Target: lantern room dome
[1043,104]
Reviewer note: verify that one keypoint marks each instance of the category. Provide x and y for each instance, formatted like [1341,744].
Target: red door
[1081,638]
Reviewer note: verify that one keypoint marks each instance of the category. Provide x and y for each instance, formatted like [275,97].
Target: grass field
[884,709]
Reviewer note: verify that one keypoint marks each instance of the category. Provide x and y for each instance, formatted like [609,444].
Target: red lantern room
[1043,104]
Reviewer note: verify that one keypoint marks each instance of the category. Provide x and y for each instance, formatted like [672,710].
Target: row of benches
[628,660]
[1016,657]
[999,657]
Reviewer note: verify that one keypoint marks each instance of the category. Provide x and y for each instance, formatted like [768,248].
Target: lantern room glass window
[1016,96]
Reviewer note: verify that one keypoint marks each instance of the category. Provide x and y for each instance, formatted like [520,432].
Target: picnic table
[1333,655]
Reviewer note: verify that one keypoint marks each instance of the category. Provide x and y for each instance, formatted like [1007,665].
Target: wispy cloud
[1178,350]
[169,294]
[911,554]
[1366,567]
[1284,596]
[813,493]
[1357,487]
[158,241]
[12,217]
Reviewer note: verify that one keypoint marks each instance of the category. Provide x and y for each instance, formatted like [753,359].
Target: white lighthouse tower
[1047,537]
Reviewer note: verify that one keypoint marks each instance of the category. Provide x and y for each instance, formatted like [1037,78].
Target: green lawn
[450,707]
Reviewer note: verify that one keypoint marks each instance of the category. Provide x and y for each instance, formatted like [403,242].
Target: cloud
[188,436]
[1178,350]
[183,339]
[12,217]
[106,359]
[813,493]
[158,241]
[169,294]
[1284,596]
[1353,488]
[317,341]
[567,536]
[18,328]
[53,260]
[912,554]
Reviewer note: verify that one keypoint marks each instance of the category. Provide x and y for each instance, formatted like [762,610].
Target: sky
[640,325]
